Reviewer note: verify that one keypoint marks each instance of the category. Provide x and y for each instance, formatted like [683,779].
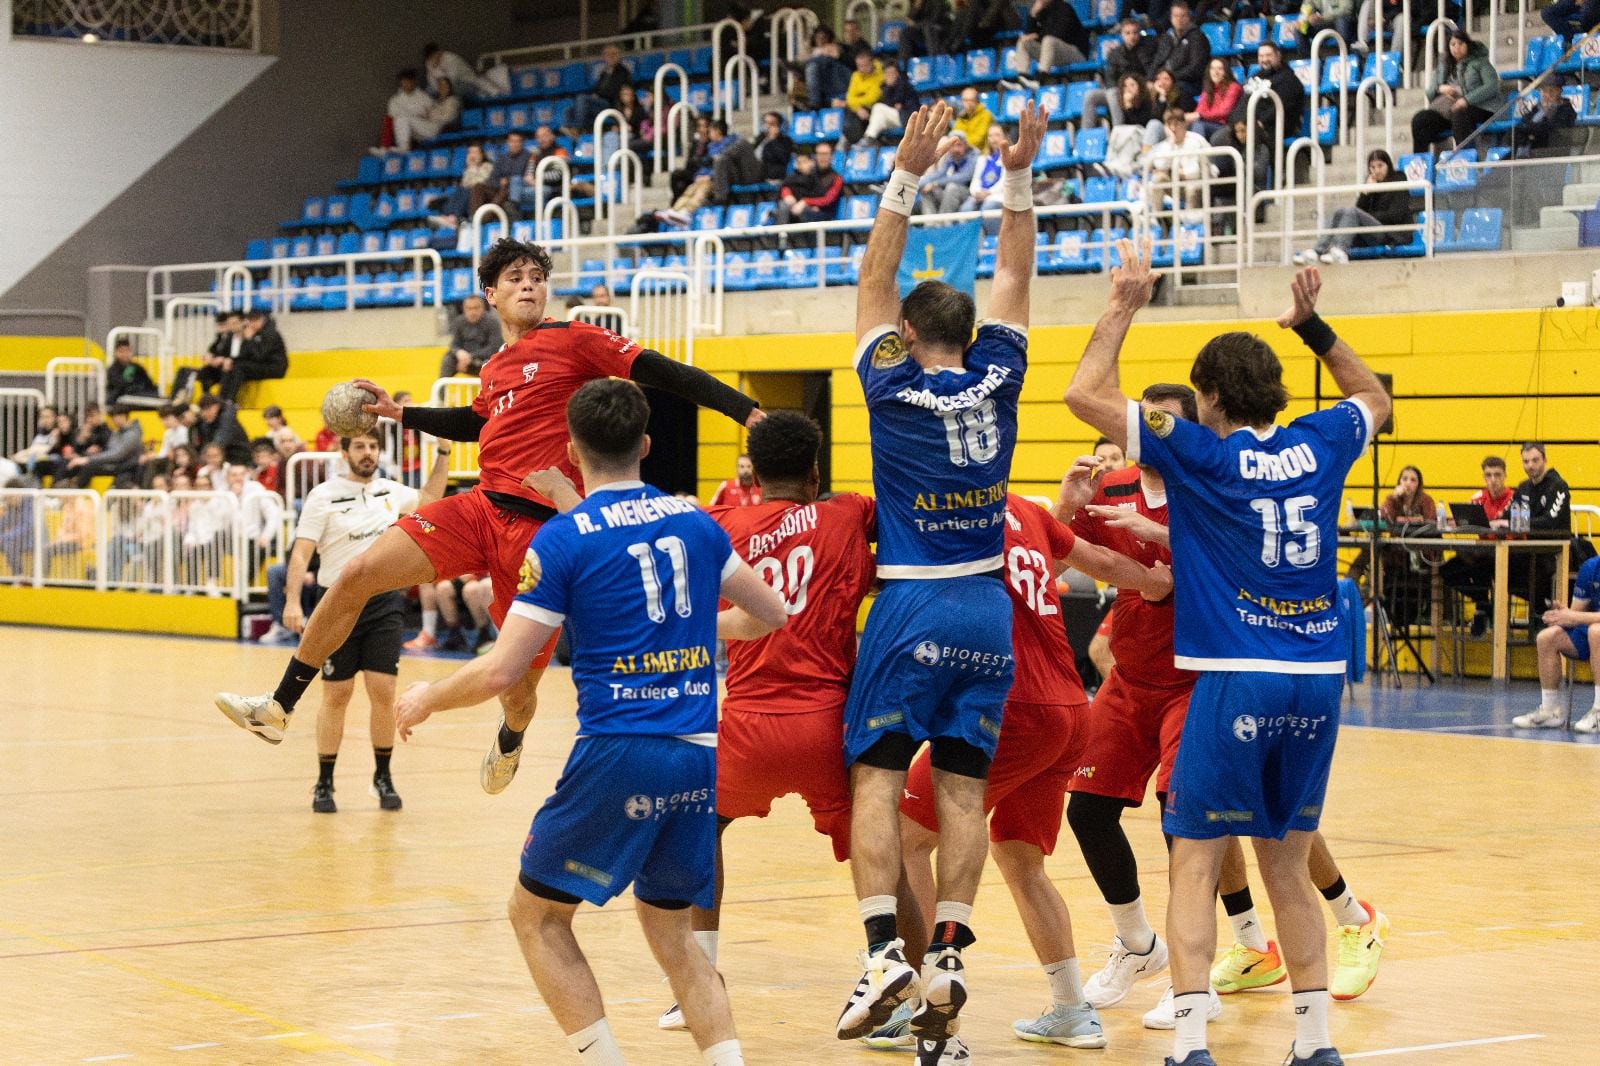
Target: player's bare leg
[1252,961]
[1300,928]
[517,705]
[916,892]
[706,924]
[393,562]
[380,693]
[330,731]
[887,979]
[562,974]
[1192,936]
[694,982]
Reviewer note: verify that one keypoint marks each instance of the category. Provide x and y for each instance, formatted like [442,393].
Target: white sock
[1347,910]
[1189,1014]
[1247,930]
[726,1053]
[1550,699]
[1132,926]
[1596,705]
[874,906]
[707,939]
[1066,983]
[1311,1022]
[947,911]
[596,1046]
[430,623]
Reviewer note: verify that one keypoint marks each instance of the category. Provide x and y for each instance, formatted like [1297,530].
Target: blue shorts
[935,661]
[639,810]
[1254,756]
[1579,635]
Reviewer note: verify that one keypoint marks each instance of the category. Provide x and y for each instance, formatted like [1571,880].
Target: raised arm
[520,640]
[1095,394]
[695,385]
[439,476]
[1103,564]
[877,296]
[1353,377]
[1014,256]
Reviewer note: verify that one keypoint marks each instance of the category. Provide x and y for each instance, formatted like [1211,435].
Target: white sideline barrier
[19,419]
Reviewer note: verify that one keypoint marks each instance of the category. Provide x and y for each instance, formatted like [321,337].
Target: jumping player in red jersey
[1040,739]
[519,422]
[782,727]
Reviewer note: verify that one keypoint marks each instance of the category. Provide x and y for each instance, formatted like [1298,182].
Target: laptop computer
[1368,519]
[1469,517]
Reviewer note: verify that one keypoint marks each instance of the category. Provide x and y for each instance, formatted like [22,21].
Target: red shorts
[1131,730]
[467,534]
[1038,750]
[761,757]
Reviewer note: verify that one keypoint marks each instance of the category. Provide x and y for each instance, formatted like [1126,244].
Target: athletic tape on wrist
[1016,190]
[900,193]
[1317,335]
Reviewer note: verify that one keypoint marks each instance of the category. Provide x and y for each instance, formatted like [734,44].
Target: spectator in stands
[443,113]
[87,438]
[895,107]
[278,430]
[1538,117]
[1130,55]
[811,191]
[680,179]
[73,541]
[944,188]
[1380,207]
[47,433]
[442,66]
[740,162]
[135,542]
[983,192]
[978,24]
[1472,573]
[851,42]
[1463,95]
[612,76]
[866,88]
[1217,99]
[757,33]
[1053,35]
[408,102]
[219,424]
[827,70]
[1139,129]
[213,472]
[599,296]
[545,146]
[1233,135]
[16,526]
[1184,50]
[974,119]
[262,356]
[647,19]
[1571,18]
[1181,155]
[927,27]
[510,164]
[641,132]
[1166,94]
[454,204]
[224,349]
[699,191]
[474,337]
[183,461]
[266,465]
[1338,15]
[1274,74]
[119,458]
[260,517]
[124,377]
[774,148]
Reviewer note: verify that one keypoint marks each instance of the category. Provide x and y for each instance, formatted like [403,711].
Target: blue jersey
[1254,521]
[941,451]
[1587,586]
[635,574]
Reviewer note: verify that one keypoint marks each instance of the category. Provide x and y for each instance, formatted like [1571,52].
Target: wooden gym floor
[168,896]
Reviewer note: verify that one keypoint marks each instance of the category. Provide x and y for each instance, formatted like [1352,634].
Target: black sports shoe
[322,799]
[383,788]
[455,641]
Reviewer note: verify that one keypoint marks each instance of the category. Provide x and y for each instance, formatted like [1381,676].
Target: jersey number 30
[973,435]
[675,552]
[1304,542]
[790,578]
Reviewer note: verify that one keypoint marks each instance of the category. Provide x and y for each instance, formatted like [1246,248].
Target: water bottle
[1349,514]
[1441,518]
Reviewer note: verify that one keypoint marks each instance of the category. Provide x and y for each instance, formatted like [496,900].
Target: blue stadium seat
[708,218]
[416,164]
[1416,167]
[1106,242]
[920,73]
[1248,34]
[1217,33]
[800,268]
[307,293]
[1012,103]
[1014,62]
[950,72]
[1444,223]
[830,123]
[349,244]
[1069,255]
[523,230]
[1055,151]
[311,210]
[700,61]
[736,273]
[1455,172]
[858,209]
[1301,68]
[885,164]
[983,66]
[279,248]
[370,241]
[803,127]
[1091,146]
[337,209]
[988,248]
[1480,229]
[472,119]
[1335,74]
[458,284]
[1386,65]
[1327,125]
[396,240]
[1286,32]
[1076,92]
[525,81]
[858,164]
[764,270]
[1053,98]
[1578,97]
[393,167]
[369,171]
[1099,190]
[740,216]
[841,269]
[301,248]
[889,36]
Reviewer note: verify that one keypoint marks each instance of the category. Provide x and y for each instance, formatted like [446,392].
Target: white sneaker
[1123,969]
[887,980]
[1589,723]
[1309,255]
[894,1034]
[260,715]
[1543,718]
[277,634]
[944,993]
[499,767]
[952,1053]
[1161,1015]
[672,1019]
[1335,255]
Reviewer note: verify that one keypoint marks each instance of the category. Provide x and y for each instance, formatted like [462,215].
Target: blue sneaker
[1323,1056]
[895,1034]
[1193,1058]
[1069,1026]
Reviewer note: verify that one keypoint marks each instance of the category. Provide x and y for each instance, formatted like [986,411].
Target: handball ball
[342,413]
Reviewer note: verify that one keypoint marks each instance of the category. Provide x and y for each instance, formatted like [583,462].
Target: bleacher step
[1544,240]
[1558,220]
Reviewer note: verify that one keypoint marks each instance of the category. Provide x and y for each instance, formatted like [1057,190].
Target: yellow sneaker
[1244,968]
[1360,948]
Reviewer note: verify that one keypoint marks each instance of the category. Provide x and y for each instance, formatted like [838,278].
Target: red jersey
[732,493]
[1493,506]
[524,389]
[818,557]
[1045,669]
[1141,631]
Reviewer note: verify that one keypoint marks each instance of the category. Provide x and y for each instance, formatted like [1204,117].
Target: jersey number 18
[972,434]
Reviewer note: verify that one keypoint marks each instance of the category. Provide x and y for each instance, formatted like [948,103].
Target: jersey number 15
[1288,534]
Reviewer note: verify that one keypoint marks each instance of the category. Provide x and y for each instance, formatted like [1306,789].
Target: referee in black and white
[340,519]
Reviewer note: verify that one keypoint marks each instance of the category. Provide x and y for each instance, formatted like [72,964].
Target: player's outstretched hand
[1145,529]
[1079,484]
[409,710]
[555,486]
[919,147]
[1133,281]
[1307,283]
[1030,134]
[755,417]
[384,406]
[1159,586]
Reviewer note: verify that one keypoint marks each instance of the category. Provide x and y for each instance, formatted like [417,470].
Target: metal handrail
[278,272]
[645,41]
[749,80]
[662,112]
[794,25]
[1432,47]
[850,9]
[1382,93]
[1344,79]
[716,55]
[623,164]
[680,122]
[1250,134]
[548,163]
[1267,195]
[477,229]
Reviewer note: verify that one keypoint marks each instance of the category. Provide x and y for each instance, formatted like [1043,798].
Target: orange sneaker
[423,641]
[1245,968]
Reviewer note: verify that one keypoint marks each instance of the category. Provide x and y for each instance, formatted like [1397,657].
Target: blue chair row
[815,127]
[395,240]
[565,79]
[1480,232]
[385,289]
[1064,102]
[867,164]
[503,118]
[1061,148]
[1542,53]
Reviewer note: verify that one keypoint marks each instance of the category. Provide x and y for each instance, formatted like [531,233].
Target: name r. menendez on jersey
[633,513]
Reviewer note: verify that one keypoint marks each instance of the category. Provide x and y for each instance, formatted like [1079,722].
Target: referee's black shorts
[374,643]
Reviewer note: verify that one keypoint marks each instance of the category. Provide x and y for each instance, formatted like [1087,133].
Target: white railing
[19,420]
[1177,201]
[791,38]
[668,36]
[1289,197]
[458,392]
[661,308]
[741,88]
[1384,101]
[604,315]
[1434,44]
[403,451]
[487,211]
[622,181]
[707,263]
[716,56]
[72,383]
[303,472]
[666,118]
[162,284]
[853,10]
[188,329]
[1373,8]
[1315,94]
[1277,136]
[146,342]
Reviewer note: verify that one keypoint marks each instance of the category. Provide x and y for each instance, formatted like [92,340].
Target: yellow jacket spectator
[974,121]
[866,83]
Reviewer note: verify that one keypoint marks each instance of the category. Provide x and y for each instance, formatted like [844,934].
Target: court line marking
[110,1058]
[280,1036]
[1443,1047]
[193,1047]
[1439,731]
[474,1014]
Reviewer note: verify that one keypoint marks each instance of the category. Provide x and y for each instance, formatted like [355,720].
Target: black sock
[380,758]
[1335,890]
[1237,902]
[880,930]
[950,935]
[509,739]
[325,769]
[297,677]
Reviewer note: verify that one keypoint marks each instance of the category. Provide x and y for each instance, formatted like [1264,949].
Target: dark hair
[272,411]
[1244,373]
[1179,3]
[719,124]
[263,442]
[122,342]
[784,446]
[1163,391]
[345,442]
[408,72]
[429,50]
[1099,441]
[1420,483]
[209,400]
[940,313]
[506,253]
[1268,43]
[1209,90]
[1175,114]
[1493,461]
[1130,22]
[775,117]
[1378,155]
[1138,80]
[1534,446]
[119,409]
[607,419]
[825,32]
[223,316]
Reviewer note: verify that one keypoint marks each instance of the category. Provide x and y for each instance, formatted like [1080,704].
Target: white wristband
[1016,190]
[900,193]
